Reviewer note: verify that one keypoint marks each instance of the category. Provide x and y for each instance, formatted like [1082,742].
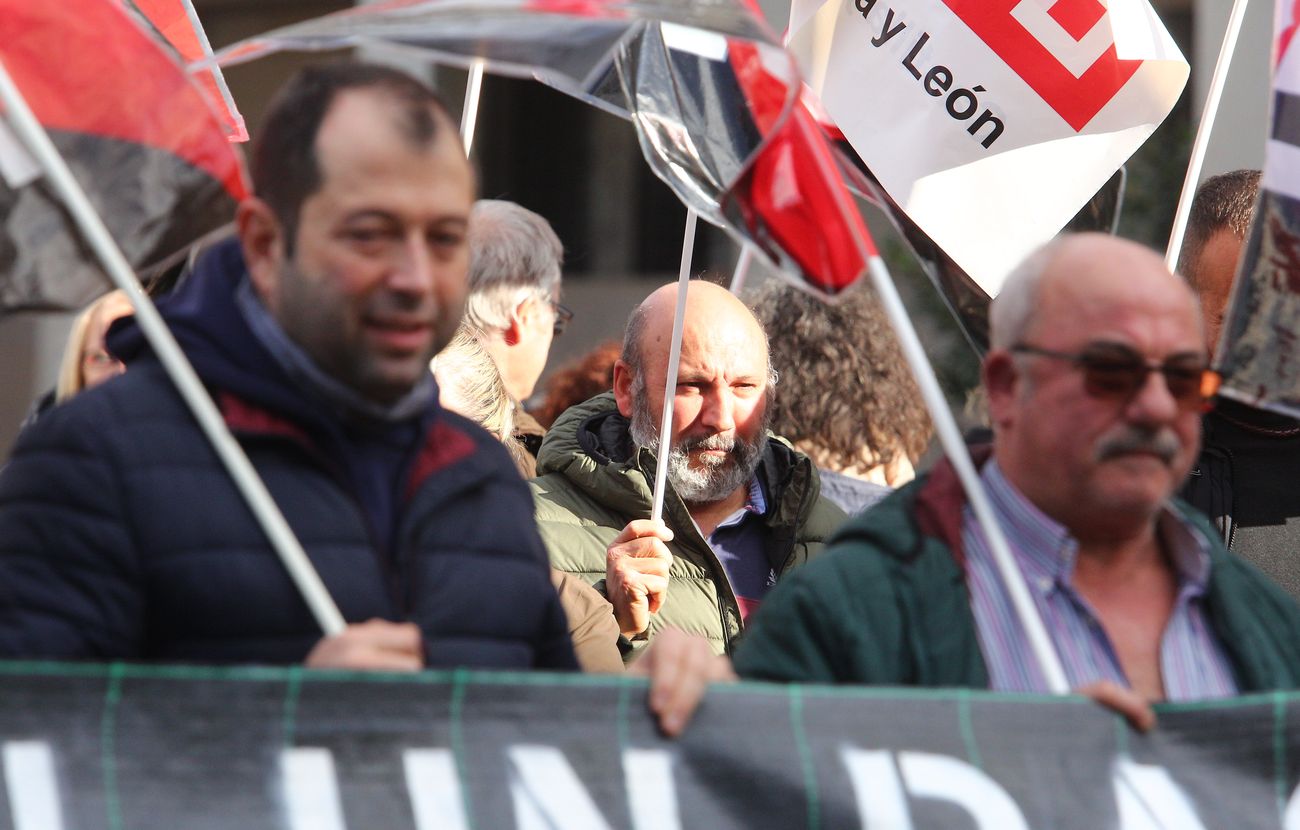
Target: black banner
[86,746]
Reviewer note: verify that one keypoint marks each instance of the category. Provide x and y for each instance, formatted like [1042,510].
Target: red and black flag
[791,193]
[138,134]
[177,22]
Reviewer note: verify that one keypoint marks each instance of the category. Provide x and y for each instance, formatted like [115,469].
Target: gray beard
[714,480]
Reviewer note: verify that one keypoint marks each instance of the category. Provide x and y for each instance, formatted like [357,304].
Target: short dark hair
[845,386]
[285,170]
[1222,202]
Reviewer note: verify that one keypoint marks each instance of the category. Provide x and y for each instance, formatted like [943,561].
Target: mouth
[1164,459]
[399,335]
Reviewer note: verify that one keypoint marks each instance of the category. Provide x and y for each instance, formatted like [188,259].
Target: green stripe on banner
[269,674]
[1279,754]
[289,712]
[621,722]
[811,793]
[459,680]
[967,728]
[108,745]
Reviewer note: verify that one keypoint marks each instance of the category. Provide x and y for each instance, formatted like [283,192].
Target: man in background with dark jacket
[1244,479]
[121,536]
[742,508]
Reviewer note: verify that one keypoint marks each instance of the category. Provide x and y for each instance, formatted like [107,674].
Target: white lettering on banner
[651,796]
[882,804]
[1291,818]
[1075,54]
[311,793]
[547,794]
[545,791]
[961,104]
[1149,799]
[32,786]
[434,788]
[948,779]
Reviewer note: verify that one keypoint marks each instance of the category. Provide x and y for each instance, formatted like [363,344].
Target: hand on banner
[1135,708]
[636,573]
[680,667]
[374,645]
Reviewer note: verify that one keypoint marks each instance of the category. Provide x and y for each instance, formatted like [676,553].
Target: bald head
[709,307]
[1084,267]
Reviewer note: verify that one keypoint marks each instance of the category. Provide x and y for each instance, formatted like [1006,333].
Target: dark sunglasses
[563,314]
[1115,372]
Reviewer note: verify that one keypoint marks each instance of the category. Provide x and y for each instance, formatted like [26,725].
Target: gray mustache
[711,442]
[1164,444]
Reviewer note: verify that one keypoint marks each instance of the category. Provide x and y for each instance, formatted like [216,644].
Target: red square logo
[1077,17]
[1077,98]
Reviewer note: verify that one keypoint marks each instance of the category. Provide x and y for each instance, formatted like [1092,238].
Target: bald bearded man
[742,508]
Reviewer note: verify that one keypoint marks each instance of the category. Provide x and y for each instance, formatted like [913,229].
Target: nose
[413,273]
[719,411]
[1152,403]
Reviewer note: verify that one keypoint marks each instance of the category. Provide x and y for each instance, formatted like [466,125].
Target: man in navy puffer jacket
[121,536]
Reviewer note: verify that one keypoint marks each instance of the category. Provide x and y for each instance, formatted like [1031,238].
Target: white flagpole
[469,112]
[286,545]
[241,132]
[1202,142]
[743,264]
[670,380]
[954,447]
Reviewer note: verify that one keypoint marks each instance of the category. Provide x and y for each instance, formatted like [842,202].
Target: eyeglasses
[1115,372]
[563,314]
[99,359]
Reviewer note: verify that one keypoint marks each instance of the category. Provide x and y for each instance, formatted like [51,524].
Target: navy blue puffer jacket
[121,536]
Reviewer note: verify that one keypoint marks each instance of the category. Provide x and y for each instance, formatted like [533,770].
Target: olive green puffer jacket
[592,481]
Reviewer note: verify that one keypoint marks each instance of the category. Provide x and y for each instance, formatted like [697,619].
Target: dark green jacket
[888,604]
[592,482]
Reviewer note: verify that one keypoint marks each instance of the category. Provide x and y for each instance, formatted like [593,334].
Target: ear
[262,238]
[1002,380]
[513,333]
[623,388]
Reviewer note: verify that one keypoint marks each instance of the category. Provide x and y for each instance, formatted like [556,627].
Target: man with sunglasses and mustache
[743,508]
[1096,379]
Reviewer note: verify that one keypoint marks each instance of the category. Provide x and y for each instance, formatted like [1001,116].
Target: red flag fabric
[791,191]
[140,137]
[178,23]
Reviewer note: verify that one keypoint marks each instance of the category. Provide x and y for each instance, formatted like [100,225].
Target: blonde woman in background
[470,385]
[86,362]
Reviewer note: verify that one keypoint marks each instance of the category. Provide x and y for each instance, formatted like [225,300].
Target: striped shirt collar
[1047,552]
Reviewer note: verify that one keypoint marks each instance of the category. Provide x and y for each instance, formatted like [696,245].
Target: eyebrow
[368,214]
[1125,347]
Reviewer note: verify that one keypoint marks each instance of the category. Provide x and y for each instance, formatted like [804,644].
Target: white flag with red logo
[990,122]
